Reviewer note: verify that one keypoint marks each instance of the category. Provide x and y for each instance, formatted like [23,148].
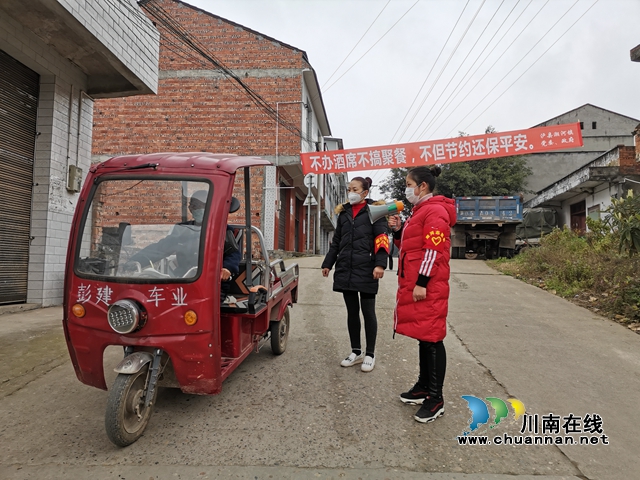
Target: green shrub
[624,218]
[590,267]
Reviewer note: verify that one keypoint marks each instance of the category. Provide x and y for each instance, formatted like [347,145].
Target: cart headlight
[124,316]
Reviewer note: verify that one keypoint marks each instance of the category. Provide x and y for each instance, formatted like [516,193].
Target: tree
[494,176]
[394,184]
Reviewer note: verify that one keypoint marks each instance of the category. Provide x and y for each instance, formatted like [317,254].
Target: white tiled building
[55,58]
[587,191]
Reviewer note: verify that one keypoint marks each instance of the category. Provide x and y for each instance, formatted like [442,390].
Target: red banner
[450,150]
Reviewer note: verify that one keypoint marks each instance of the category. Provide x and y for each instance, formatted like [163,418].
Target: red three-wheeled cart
[145,271]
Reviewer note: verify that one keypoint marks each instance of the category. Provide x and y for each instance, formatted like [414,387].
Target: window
[593,125]
[145,229]
[594,212]
[581,125]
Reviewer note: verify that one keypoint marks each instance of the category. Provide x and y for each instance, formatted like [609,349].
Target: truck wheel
[280,334]
[126,416]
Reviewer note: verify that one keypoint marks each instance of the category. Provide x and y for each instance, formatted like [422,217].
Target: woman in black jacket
[359,250]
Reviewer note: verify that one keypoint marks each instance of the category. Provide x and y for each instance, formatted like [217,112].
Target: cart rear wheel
[126,416]
[280,334]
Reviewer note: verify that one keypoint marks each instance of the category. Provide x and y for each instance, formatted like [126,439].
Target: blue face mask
[198,215]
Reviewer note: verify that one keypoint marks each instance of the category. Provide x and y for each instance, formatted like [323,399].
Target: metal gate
[19,88]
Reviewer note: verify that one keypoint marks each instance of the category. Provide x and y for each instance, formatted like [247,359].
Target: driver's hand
[225,275]
[131,267]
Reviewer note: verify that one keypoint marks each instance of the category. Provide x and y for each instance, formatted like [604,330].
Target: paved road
[301,415]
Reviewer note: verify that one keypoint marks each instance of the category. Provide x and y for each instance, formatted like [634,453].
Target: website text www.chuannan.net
[506,439]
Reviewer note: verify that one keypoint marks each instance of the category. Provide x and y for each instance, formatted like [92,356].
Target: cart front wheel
[280,334]
[126,416]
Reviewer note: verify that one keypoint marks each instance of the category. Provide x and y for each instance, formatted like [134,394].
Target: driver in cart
[184,241]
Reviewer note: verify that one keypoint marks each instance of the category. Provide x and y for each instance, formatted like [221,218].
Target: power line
[185,38]
[462,63]
[449,99]
[429,74]
[519,61]
[363,55]
[494,63]
[536,61]
[203,57]
[357,43]
[443,68]
[138,16]
[449,102]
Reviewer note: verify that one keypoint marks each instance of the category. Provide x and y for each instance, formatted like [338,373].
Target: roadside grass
[587,270]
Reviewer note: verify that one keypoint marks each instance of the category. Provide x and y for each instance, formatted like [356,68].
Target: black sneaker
[430,410]
[415,396]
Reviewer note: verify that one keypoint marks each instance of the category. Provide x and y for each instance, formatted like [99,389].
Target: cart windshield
[144,230]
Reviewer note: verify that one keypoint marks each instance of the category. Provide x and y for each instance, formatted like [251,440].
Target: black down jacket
[352,250]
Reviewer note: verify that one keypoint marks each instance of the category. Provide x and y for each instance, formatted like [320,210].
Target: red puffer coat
[424,250]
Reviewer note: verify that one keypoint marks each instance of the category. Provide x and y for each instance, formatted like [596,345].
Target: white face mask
[411,195]
[198,215]
[354,198]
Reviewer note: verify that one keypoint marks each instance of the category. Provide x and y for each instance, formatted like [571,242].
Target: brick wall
[629,164]
[198,109]
[193,115]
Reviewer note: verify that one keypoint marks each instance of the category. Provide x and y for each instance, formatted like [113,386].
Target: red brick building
[199,107]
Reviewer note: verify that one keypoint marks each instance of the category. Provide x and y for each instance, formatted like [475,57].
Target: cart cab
[144,272]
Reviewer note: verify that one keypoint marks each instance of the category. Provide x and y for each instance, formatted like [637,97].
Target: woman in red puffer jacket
[422,300]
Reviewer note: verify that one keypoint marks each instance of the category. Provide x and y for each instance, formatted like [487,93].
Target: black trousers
[367,302]
[433,366]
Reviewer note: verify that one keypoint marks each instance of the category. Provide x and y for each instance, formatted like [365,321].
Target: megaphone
[376,212]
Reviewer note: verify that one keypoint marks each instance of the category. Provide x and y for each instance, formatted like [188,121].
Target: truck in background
[536,222]
[486,227]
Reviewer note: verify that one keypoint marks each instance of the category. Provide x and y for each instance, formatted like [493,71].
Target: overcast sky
[511,64]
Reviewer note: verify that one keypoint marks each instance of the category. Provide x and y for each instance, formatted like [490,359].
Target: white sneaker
[352,360]
[368,364]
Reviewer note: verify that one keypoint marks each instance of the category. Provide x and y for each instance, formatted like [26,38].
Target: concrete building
[56,57]
[225,88]
[602,130]
[588,190]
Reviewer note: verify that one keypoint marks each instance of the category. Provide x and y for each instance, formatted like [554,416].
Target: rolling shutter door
[18,115]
